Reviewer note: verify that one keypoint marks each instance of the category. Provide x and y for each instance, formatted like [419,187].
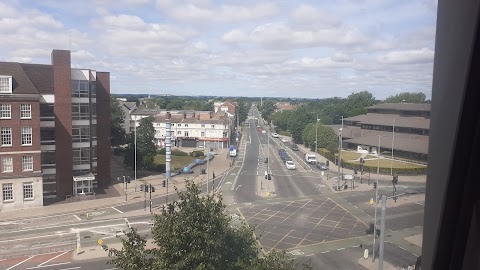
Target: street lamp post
[316,135]
[340,155]
[135,164]
[376,198]
[393,141]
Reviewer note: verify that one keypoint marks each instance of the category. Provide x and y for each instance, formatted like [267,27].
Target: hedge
[285,133]
[197,153]
[373,169]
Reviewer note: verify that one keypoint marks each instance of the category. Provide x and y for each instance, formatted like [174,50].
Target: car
[264,131]
[290,165]
[284,140]
[275,135]
[258,126]
[295,147]
[287,157]
[322,166]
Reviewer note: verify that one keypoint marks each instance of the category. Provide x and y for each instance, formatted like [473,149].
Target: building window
[28,191]
[7,164]
[186,125]
[203,125]
[7,192]
[81,156]
[6,84]
[179,133]
[26,135]
[48,158]
[26,111]
[202,134]
[47,134]
[186,133]
[5,111]
[179,125]
[47,111]
[213,126]
[27,163]
[6,134]
[80,111]
[81,134]
[80,88]
[173,125]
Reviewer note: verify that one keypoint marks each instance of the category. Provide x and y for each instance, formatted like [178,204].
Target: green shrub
[162,151]
[285,133]
[176,152]
[158,168]
[118,151]
[197,153]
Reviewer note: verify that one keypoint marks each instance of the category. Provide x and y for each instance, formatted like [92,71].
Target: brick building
[55,129]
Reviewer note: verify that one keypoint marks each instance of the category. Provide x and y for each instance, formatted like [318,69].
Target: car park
[290,165]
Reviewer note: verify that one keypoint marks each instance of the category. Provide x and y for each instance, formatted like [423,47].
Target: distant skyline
[308,49]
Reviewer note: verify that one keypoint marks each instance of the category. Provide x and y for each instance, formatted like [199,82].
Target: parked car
[322,166]
[284,140]
[264,131]
[295,147]
[275,135]
[290,165]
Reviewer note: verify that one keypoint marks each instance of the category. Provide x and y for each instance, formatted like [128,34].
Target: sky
[284,48]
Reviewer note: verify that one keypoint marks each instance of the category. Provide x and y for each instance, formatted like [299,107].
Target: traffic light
[163,183]
[146,188]
[152,188]
[395,179]
[374,184]
[141,187]
[269,177]
[128,179]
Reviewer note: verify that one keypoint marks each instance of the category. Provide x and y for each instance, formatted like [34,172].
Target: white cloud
[423,55]
[309,15]
[203,11]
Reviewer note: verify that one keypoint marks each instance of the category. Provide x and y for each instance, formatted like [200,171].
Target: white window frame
[26,137]
[27,163]
[7,192]
[25,111]
[28,191]
[179,132]
[5,84]
[7,164]
[5,111]
[5,132]
[186,133]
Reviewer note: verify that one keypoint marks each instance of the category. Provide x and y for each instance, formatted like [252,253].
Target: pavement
[219,164]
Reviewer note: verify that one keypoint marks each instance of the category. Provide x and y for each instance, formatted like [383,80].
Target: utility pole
[135,153]
[341,146]
[382,232]
[168,154]
[393,140]
[316,135]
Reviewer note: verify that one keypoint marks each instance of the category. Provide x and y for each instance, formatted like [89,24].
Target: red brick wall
[63,122]
[16,124]
[103,129]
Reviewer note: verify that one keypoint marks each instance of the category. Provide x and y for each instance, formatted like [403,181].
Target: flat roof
[418,144]
[403,106]
[387,120]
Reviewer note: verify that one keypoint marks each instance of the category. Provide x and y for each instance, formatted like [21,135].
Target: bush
[197,153]
[158,168]
[176,152]
[162,151]
[285,133]
[118,151]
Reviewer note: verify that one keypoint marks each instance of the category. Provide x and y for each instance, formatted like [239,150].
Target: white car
[264,131]
[274,135]
[284,140]
[290,165]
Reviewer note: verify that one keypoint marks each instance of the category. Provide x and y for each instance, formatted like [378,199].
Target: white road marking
[43,266]
[340,248]
[325,251]
[78,218]
[238,187]
[34,237]
[51,259]
[117,210]
[20,263]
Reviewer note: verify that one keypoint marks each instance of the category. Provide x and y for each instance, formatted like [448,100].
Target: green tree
[196,233]
[243,108]
[117,118]
[281,119]
[145,145]
[175,104]
[267,109]
[415,97]
[357,103]
[326,137]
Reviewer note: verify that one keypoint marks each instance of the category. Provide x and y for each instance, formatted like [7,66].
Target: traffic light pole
[145,196]
[150,189]
[126,188]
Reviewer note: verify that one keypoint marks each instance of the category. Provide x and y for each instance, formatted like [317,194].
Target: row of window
[81,111]
[82,88]
[7,164]
[6,111]
[6,136]
[6,84]
[8,191]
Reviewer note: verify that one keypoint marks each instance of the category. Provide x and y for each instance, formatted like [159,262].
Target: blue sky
[311,49]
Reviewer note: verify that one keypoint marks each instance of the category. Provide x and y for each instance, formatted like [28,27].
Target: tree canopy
[197,233]
[327,138]
[117,118]
[407,97]
[145,145]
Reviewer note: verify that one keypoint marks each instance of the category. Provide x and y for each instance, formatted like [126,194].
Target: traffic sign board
[371,201]
[100,242]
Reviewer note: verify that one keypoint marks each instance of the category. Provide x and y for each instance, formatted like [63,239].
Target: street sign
[365,254]
[371,201]
[100,242]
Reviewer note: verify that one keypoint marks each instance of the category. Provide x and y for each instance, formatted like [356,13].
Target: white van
[233,152]
[311,158]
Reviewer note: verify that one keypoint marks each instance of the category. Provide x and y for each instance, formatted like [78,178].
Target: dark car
[322,166]
[287,158]
[295,147]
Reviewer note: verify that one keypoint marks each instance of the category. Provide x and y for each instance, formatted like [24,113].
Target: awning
[84,177]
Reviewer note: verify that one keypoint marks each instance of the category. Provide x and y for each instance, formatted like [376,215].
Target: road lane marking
[34,237]
[43,266]
[238,187]
[340,248]
[51,259]
[117,210]
[20,263]
[78,218]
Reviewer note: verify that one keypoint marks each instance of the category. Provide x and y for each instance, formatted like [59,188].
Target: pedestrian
[410,267]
